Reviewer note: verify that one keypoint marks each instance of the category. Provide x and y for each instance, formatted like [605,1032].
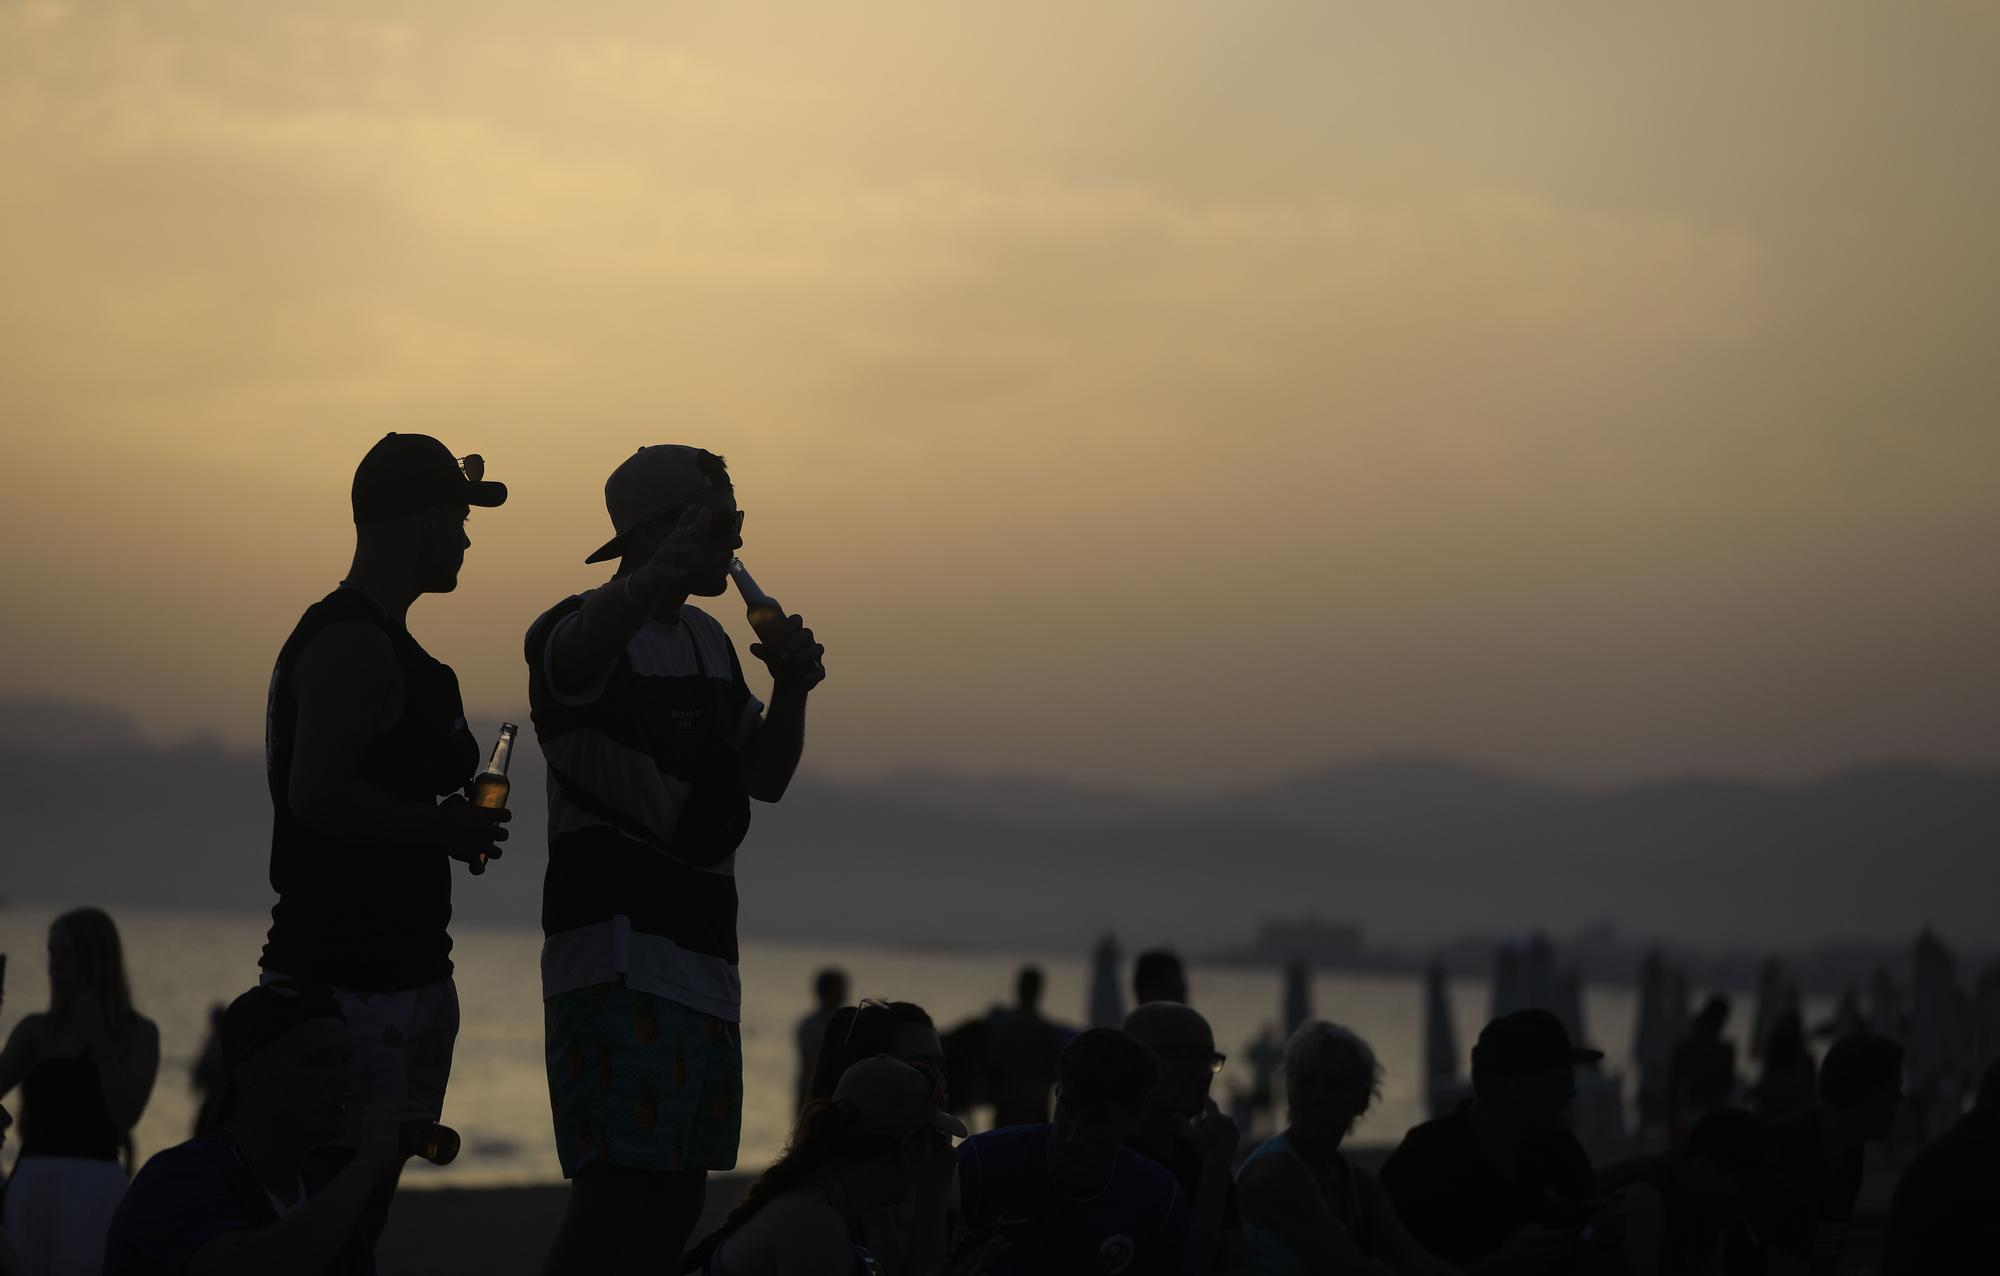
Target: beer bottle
[767,616]
[489,787]
[436,1143]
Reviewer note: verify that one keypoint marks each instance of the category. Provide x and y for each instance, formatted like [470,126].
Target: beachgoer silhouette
[1023,1054]
[10,1262]
[1945,1214]
[364,732]
[1183,1130]
[855,1154]
[1790,1078]
[86,1068]
[1822,1153]
[909,1236]
[655,748]
[273,1191]
[1307,1207]
[208,1077]
[1502,1178]
[1069,1195]
[1704,1067]
[830,993]
[1158,975]
[1683,1208]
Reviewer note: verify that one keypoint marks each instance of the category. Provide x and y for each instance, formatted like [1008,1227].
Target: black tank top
[62,1112]
[366,917]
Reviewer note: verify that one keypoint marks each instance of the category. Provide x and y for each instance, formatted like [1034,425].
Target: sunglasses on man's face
[721,526]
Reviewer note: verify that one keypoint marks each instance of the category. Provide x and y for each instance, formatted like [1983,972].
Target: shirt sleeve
[541,646]
[170,1212]
[968,1183]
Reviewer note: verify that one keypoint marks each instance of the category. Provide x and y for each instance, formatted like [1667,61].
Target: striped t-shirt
[647,806]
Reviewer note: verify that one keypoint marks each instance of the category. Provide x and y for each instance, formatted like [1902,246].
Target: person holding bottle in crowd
[1306,1206]
[85,1068]
[655,748]
[1183,1130]
[365,732]
[274,1190]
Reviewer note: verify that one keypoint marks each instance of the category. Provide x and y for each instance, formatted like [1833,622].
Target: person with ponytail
[86,1069]
[853,1153]
[910,1235]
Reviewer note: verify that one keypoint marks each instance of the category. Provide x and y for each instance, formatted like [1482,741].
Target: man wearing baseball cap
[269,1193]
[1501,1185]
[365,731]
[655,747]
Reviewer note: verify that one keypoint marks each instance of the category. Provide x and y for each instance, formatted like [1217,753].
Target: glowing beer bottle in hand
[489,787]
[767,615]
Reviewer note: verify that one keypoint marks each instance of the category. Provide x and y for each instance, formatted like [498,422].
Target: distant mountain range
[1413,849]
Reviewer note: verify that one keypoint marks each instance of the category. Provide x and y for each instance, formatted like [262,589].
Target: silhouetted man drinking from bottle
[364,733]
[655,747]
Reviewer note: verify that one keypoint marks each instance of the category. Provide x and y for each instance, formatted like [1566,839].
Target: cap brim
[948,1123]
[612,549]
[486,495]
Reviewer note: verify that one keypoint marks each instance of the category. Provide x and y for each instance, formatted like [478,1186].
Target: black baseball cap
[1527,1041]
[408,473]
[266,1013]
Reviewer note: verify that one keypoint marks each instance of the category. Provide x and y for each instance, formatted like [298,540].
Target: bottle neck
[503,750]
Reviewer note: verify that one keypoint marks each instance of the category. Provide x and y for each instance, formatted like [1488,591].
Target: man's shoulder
[1437,1135]
[540,625]
[198,1167]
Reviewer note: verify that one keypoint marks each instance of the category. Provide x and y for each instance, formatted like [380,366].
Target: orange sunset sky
[1164,394]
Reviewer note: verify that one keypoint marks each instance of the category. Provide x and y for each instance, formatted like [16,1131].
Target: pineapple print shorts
[640,1081]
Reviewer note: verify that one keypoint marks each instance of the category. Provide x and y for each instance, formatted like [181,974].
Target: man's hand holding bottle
[471,834]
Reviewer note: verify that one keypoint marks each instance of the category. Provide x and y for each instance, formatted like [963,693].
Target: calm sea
[181,964]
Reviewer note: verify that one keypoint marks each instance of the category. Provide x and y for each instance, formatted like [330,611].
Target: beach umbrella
[1440,1039]
[1940,1038]
[1107,1003]
[1506,992]
[1885,1008]
[1298,1005]
[1568,1005]
[1986,1017]
[1770,993]
[1540,984]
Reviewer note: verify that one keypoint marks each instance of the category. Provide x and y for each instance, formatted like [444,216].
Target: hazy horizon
[1154,395]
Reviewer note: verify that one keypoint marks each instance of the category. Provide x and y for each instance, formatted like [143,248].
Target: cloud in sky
[1153,392]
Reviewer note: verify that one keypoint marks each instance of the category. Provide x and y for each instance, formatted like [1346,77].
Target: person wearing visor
[271,1192]
[655,747]
[1501,1185]
[855,1156]
[365,732]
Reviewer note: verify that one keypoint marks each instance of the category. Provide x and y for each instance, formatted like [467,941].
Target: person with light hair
[1306,1208]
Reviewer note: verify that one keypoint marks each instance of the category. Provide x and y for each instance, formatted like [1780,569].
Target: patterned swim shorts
[640,1081]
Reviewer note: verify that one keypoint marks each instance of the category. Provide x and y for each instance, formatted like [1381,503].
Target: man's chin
[709,588]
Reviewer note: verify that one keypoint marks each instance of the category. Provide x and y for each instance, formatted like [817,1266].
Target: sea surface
[181,964]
